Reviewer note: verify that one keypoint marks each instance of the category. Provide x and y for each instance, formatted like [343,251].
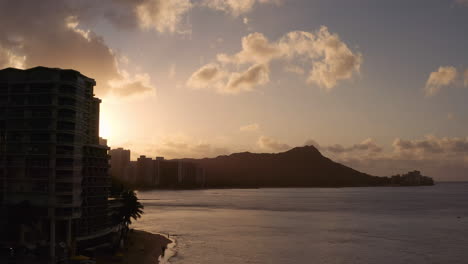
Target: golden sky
[378,85]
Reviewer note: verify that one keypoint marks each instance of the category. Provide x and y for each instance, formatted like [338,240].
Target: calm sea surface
[313,225]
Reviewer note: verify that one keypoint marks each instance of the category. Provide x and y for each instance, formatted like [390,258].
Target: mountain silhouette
[298,167]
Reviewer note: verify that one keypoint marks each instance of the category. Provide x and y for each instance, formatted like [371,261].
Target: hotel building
[52,159]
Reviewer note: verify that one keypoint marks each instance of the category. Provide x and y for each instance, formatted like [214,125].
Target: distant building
[146,172]
[119,162]
[412,178]
[160,173]
[52,158]
[130,172]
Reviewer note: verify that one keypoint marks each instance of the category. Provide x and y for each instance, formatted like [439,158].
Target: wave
[170,252]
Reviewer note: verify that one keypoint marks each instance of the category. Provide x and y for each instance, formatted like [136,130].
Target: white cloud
[330,60]
[246,81]
[212,76]
[236,7]
[294,69]
[256,48]
[250,128]
[54,38]
[162,15]
[9,59]
[129,85]
[272,144]
[444,76]
[208,75]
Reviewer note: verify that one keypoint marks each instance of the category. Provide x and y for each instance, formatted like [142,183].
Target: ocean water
[312,225]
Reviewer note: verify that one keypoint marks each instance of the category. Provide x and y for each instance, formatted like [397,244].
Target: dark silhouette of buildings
[120,162]
[412,178]
[155,173]
[53,160]
[298,167]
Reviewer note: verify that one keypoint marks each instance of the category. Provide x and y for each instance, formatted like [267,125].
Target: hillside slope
[298,167]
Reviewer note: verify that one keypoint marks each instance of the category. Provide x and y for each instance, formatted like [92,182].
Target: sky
[380,86]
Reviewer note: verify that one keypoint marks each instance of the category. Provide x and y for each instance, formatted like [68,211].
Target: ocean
[312,225]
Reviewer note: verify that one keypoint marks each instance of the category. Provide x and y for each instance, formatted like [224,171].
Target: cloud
[465,77]
[294,69]
[256,48]
[440,170]
[272,144]
[211,75]
[312,142]
[208,75]
[54,38]
[367,146]
[432,147]
[445,158]
[9,59]
[444,76]
[131,85]
[182,146]
[236,7]
[250,128]
[329,59]
[162,15]
[57,37]
[246,81]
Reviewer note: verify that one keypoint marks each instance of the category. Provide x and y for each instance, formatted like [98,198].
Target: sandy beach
[141,247]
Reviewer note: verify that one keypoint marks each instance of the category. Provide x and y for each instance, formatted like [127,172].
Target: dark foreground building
[54,181]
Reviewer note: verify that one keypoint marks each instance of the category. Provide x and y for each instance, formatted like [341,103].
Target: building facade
[51,157]
[119,161]
[155,173]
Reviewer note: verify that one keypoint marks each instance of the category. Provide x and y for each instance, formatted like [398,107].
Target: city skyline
[379,86]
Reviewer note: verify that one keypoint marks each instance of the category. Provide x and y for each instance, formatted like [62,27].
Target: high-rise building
[161,173]
[119,161]
[145,171]
[51,157]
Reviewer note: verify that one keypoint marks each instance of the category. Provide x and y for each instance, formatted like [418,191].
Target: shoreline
[141,247]
[289,187]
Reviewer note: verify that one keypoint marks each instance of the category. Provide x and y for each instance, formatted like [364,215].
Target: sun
[105,122]
[104,128]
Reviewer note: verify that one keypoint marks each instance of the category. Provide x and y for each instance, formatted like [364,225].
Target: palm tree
[131,209]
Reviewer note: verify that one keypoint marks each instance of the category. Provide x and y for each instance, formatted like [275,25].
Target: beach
[141,247]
